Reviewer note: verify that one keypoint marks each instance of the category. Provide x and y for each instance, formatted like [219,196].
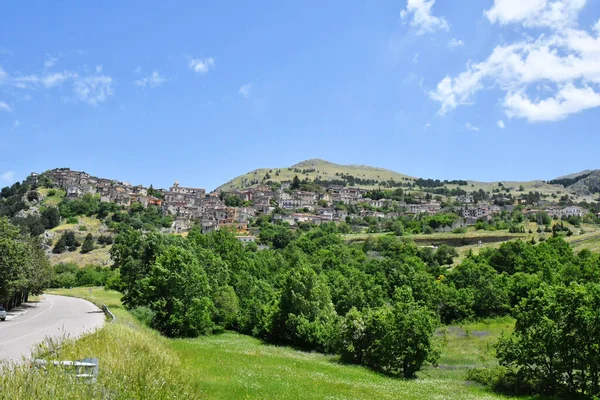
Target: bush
[51,192]
[143,314]
[501,379]
[460,230]
[72,220]
[33,196]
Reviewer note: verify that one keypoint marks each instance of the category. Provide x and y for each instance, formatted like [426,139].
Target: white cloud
[202,65]
[8,176]
[93,89]
[245,89]
[5,107]
[422,19]
[568,100]
[50,62]
[415,59]
[536,13]
[153,80]
[454,42]
[500,124]
[46,80]
[563,66]
[470,127]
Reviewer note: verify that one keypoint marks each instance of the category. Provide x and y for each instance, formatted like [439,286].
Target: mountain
[582,183]
[588,184]
[363,175]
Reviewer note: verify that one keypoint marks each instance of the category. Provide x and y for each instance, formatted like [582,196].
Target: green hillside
[328,171]
[311,169]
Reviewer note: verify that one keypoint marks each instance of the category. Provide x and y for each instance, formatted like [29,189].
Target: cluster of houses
[189,206]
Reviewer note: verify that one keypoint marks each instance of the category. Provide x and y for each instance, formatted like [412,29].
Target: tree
[88,244]
[295,183]
[554,348]
[60,246]
[24,267]
[306,315]
[179,294]
[51,217]
[394,338]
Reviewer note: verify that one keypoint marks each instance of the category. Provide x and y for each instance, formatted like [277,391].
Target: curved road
[55,316]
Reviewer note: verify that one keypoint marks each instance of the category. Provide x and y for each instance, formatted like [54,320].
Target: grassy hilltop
[578,186]
[314,168]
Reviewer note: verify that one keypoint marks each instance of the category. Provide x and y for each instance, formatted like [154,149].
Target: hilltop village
[286,202]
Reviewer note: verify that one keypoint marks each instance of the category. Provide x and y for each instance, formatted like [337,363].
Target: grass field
[52,201]
[99,256]
[233,366]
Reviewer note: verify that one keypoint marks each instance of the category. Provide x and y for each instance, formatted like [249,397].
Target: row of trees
[24,268]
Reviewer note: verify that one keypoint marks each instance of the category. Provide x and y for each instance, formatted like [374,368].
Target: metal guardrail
[108,313]
[86,369]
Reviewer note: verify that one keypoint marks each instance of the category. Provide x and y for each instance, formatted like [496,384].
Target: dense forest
[377,303]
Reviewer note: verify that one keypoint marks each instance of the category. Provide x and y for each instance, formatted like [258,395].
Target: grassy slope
[324,170]
[100,255]
[232,366]
[327,170]
[135,362]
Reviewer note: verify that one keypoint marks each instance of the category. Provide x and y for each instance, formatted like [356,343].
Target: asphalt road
[55,316]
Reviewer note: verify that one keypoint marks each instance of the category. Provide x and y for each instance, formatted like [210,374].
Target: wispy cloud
[5,107]
[50,62]
[454,42]
[415,59]
[245,89]
[201,65]
[427,126]
[91,87]
[153,80]
[501,124]
[421,18]
[470,127]
[8,176]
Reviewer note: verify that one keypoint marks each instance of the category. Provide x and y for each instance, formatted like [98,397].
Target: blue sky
[150,92]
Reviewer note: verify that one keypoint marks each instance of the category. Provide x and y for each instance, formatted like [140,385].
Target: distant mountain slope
[590,183]
[312,169]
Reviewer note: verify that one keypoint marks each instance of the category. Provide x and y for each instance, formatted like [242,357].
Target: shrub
[143,314]
[460,230]
[72,220]
[51,192]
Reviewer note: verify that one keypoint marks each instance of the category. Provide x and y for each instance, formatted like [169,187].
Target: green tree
[395,338]
[295,183]
[88,243]
[51,217]
[180,294]
[306,315]
[554,348]
[60,246]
